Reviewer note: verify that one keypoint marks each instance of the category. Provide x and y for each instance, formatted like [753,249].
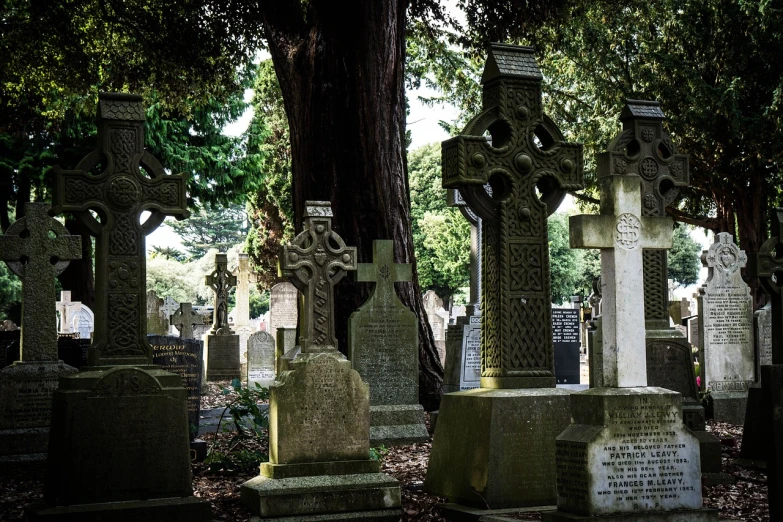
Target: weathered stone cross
[169,306]
[767,265]
[245,276]
[37,248]
[221,282]
[183,320]
[315,261]
[621,232]
[516,337]
[384,272]
[131,181]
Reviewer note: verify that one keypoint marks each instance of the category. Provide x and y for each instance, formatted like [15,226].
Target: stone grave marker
[83,322]
[221,345]
[119,435]
[607,467]
[261,360]
[726,338]
[36,248]
[170,306]
[438,319]
[157,323]
[693,330]
[285,343]
[242,327]
[65,310]
[283,298]
[319,410]
[762,321]
[383,343]
[517,359]
[565,337]
[185,320]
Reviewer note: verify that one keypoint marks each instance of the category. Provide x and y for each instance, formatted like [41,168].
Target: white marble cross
[67,310]
[622,234]
[244,276]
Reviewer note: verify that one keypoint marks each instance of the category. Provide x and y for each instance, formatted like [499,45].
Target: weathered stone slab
[185,358]
[762,321]
[83,322]
[463,355]
[283,300]
[438,319]
[565,339]
[221,353]
[157,322]
[261,362]
[286,341]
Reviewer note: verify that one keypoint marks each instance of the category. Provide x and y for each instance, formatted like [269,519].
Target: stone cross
[245,276]
[622,233]
[527,155]
[66,309]
[37,248]
[644,149]
[384,272]
[455,199]
[314,262]
[724,260]
[131,182]
[767,266]
[221,282]
[169,306]
[183,320]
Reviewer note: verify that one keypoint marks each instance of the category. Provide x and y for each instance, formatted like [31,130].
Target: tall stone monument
[627,456]
[221,344]
[319,411]
[517,413]
[383,343]
[726,338]
[36,248]
[242,327]
[118,445]
[767,266]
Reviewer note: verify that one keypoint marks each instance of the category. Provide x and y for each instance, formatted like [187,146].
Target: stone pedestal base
[729,407]
[696,515]
[496,448]
[222,357]
[363,496]
[397,424]
[119,449]
[159,510]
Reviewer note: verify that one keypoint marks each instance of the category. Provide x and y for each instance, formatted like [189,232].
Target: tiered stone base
[397,424]
[697,515]
[495,448]
[184,509]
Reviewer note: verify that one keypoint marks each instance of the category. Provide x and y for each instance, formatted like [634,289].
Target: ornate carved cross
[245,277]
[767,265]
[37,248]
[644,149]
[183,320]
[314,262]
[622,233]
[384,272]
[130,182]
[221,281]
[527,154]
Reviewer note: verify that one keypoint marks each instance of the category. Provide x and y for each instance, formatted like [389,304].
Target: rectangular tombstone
[185,358]
[283,299]
[470,369]
[670,366]
[157,323]
[762,321]
[565,338]
[222,357]
[260,360]
[693,330]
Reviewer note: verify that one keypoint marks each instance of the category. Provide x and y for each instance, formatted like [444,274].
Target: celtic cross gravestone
[314,262]
[36,248]
[183,320]
[221,345]
[221,281]
[119,434]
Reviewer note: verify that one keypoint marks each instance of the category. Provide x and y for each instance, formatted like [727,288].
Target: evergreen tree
[218,228]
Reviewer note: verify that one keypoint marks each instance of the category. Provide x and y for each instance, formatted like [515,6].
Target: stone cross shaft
[527,155]
[245,277]
[131,181]
[384,273]
[221,281]
[767,266]
[37,248]
[183,320]
[314,262]
[644,149]
[455,199]
[622,233]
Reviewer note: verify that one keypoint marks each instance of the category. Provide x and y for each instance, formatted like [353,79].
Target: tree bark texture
[340,67]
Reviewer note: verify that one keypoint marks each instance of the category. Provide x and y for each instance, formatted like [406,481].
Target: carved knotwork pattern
[124,323]
[648,169]
[123,145]
[123,275]
[321,311]
[165,194]
[526,268]
[648,134]
[620,166]
[654,292]
[528,326]
[123,239]
[78,191]
[490,349]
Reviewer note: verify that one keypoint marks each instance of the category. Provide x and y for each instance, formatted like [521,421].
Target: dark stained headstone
[565,339]
[221,281]
[516,307]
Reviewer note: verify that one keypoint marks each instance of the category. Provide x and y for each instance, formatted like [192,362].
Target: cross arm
[591,231]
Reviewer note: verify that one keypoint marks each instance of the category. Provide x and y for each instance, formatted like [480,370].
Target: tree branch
[586,199]
[703,222]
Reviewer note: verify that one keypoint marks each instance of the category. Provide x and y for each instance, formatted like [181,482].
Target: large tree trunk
[340,67]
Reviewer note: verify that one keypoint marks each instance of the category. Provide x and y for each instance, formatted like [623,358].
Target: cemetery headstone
[242,327]
[693,330]
[119,436]
[157,323]
[83,322]
[319,410]
[463,359]
[65,310]
[285,343]
[185,320]
[261,360]
[438,319]
[283,298]
[726,355]
[221,344]
[170,306]
[528,183]
[565,337]
[383,343]
[36,248]
[607,467]
[763,327]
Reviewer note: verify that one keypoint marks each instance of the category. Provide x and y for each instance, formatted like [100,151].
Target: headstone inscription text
[185,358]
[565,339]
